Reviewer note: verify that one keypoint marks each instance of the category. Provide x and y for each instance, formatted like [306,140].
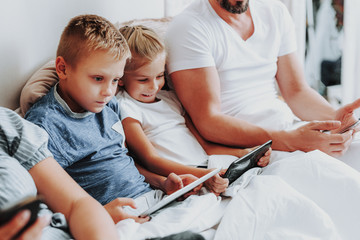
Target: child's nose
[154,84]
[107,89]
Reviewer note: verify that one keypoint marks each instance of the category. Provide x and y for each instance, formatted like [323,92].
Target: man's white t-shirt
[198,38]
[164,125]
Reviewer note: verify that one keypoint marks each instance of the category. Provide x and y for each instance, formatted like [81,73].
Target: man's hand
[346,116]
[9,230]
[311,137]
[116,211]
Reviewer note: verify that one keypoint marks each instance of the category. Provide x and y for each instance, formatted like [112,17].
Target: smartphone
[31,203]
[352,126]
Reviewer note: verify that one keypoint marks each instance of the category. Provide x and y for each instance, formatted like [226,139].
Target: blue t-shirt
[90,147]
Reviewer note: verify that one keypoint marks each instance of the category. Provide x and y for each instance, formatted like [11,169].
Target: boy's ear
[60,65]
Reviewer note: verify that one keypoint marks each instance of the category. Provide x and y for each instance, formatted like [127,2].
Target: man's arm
[86,217]
[199,92]
[304,101]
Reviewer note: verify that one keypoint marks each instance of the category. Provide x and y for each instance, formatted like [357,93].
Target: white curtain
[297,9]
[351,52]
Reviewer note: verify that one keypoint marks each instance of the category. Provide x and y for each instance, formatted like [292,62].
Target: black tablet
[249,160]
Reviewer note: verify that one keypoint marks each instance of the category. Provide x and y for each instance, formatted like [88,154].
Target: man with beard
[227,60]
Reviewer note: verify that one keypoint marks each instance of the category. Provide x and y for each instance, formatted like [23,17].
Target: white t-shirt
[198,38]
[164,125]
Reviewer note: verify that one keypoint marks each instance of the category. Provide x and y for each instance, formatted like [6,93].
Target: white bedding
[306,196]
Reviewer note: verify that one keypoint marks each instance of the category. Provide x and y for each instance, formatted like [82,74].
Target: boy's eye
[98,79]
[142,80]
[115,80]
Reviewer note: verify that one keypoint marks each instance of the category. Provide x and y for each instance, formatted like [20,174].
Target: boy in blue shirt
[82,117]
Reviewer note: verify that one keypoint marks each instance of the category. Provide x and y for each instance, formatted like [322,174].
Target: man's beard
[239,7]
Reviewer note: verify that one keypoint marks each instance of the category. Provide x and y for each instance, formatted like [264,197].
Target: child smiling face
[145,82]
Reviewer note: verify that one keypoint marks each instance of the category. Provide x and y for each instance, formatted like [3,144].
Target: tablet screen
[168,199]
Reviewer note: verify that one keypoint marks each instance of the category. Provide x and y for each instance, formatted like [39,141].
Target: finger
[35,230]
[126,202]
[268,152]
[186,195]
[176,180]
[141,219]
[221,186]
[16,224]
[341,146]
[352,106]
[222,172]
[324,125]
[218,180]
[263,163]
[218,189]
[337,154]
[339,138]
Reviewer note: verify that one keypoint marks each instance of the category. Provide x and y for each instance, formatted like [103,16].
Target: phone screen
[350,127]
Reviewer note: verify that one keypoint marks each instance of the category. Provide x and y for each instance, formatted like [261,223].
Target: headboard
[30,32]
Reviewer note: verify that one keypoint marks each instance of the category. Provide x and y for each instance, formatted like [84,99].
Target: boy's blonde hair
[87,33]
[145,45]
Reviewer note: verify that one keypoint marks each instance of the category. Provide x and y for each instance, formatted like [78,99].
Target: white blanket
[306,196]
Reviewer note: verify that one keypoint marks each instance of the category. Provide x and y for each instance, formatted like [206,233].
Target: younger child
[158,132]
[82,117]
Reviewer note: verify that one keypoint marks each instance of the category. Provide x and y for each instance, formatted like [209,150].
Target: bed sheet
[306,196]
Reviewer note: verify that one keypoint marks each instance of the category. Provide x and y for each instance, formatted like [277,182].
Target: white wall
[350,78]
[30,31]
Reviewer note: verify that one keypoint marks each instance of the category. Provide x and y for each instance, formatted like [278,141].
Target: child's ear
[121,82]
[60,65]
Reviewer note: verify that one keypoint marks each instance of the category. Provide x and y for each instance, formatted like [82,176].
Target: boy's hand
[264,160]
[217,184]
[116,211]
[175,182]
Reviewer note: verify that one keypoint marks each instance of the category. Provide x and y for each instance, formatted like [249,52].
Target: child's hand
[217,184]
[175,182]
[116,211]
[264,160]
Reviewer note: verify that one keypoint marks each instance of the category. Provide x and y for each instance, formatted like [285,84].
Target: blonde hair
[145,45]
[87,33]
